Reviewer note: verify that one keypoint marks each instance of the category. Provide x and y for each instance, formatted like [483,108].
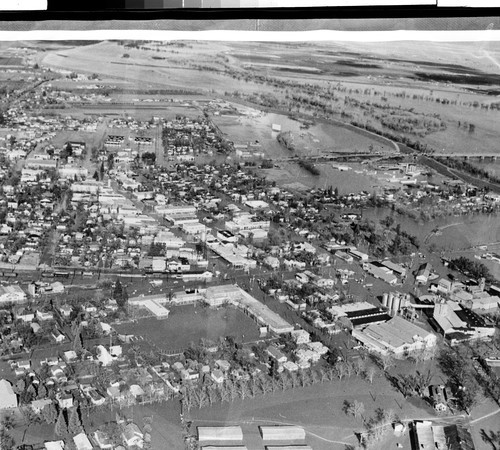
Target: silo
[390,300]
[396,304]
[385,300]
[405,303]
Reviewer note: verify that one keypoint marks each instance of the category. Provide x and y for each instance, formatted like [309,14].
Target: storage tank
[385,300]
[396,304]
[390,301]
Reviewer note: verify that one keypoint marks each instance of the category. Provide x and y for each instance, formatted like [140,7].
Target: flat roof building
[395,336]
[282,433]
[218,295]
[8,399]
[220,434]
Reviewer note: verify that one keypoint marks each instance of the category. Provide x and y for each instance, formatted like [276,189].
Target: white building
[8,398]
[12,293]
[82,442]
[104,356]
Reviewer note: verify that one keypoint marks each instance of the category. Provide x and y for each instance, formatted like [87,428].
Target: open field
[187,324]
[454,73]
[317,408]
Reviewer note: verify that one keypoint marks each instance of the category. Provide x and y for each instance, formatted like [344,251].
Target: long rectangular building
[233,294]
[220,434]
[282,433]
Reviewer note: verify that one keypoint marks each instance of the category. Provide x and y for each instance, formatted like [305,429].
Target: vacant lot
[189,324]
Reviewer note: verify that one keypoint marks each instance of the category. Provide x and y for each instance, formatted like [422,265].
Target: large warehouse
[395,336]
[220,434]
[282,433]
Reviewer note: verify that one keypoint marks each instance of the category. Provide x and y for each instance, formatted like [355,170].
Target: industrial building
[282,433]
[233,294]
[381,272]
[359,314]
[220,434]
[395,336]
[459,324]
[431,436]
[395,301]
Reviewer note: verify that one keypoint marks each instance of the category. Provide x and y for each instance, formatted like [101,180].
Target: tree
[118,290]
[358,409]
[61,428]
[370,374]
[74,423]
[387,361]
[6,440]
[49,413]
[77,343]
[120,294]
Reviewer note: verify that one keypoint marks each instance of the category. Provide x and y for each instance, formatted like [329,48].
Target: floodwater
[319,139]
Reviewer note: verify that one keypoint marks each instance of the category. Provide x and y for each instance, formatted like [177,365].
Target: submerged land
[212,234]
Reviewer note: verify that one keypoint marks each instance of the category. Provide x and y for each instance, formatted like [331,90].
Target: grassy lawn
[189,324]
[317,408]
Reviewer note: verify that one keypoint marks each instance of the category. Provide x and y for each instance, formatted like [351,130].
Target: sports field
[187,324]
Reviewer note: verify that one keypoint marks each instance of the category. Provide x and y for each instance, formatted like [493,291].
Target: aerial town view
[253,246]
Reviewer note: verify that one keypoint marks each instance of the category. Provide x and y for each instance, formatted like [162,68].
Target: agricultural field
[448,90]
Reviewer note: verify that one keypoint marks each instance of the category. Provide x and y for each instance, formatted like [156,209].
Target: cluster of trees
[252,385]
[309,166]
[413,384]
[120,294]
[384,241]
[285,138]
[456,363]
[471,268]
[469,168]
[148,158]
[157,249]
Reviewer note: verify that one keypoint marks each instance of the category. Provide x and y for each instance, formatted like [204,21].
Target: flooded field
[317,140]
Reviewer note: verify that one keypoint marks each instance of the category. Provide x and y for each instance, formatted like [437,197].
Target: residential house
[102,440]
[423,273]
[132,435]
[217,376]
[438,396]
[82,442]
[54,445]
[65,400]
[38,405]
[104,356]
[276,354]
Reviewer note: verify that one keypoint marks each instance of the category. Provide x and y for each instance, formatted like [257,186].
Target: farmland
[353,75]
